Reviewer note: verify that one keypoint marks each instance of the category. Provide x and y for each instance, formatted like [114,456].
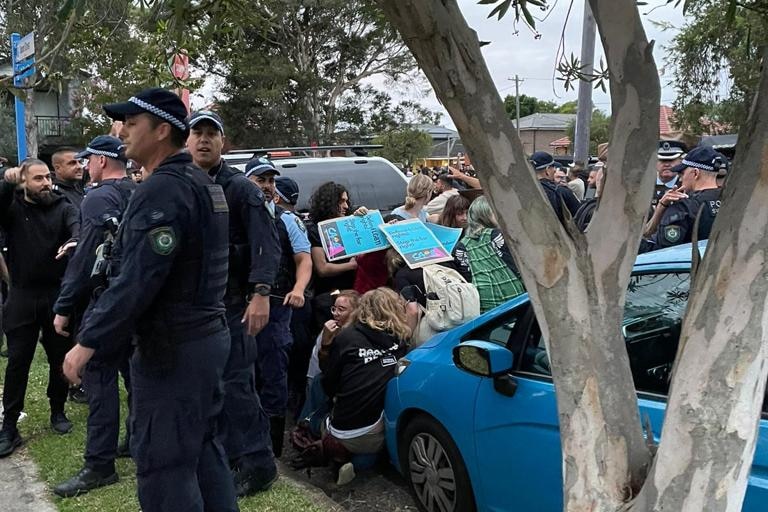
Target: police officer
[169,288]
[559,196]
[38,223]
[293,275]
[254,255]
[668,155]
[100,213]
[698,195]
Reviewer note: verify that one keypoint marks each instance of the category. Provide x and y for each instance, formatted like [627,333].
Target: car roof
[679,254]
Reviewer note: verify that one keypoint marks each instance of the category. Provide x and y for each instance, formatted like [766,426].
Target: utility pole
[517,105]
[584,112]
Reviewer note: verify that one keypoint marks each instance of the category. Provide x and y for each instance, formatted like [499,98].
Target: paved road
[20,487]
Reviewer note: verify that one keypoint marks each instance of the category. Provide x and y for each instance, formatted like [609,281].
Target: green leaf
[527,15]
[501,9]
[730,14]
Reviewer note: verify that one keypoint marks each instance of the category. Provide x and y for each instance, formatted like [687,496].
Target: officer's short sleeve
[297,233]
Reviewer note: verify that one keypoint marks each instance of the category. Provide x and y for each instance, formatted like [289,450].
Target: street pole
[21,132]
[584,112]
[517,105]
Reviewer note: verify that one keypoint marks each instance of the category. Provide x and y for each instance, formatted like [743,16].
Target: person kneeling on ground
[357,364]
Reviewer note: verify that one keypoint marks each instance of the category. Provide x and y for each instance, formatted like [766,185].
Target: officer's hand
[75,361]
[60,324]
[361,212]
[672,196]
[256,315]
[13,175]
[66,249]
[294,299]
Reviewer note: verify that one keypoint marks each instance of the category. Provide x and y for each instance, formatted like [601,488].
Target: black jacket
[558,196]
[34,233]
[359,364]
[73,191]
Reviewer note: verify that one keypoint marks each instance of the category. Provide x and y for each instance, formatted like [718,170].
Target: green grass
[60,457]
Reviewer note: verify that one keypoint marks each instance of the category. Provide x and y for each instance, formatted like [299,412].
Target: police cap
[703,158]
[260,166]
[159,102]
[670,150]
[206,115]
[104,145]
[287,189]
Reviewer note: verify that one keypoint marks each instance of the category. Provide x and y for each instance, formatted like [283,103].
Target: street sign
[21,134]
[22,71]
[26,47]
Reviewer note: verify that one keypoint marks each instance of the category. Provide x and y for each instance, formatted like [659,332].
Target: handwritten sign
[416,243]
[449,237]
[349,236]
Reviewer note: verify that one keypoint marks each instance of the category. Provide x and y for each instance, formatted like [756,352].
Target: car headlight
[402,364]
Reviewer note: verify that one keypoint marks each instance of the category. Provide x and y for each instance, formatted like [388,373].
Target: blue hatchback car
[467,442]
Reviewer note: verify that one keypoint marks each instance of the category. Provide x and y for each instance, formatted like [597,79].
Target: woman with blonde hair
[418,194]
[357,364]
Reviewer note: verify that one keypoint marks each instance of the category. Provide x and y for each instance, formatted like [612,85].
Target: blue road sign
[21,132]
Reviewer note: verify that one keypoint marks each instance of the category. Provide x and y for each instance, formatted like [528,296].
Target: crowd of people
[214,299]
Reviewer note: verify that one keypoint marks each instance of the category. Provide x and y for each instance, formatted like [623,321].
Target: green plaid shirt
[495,281]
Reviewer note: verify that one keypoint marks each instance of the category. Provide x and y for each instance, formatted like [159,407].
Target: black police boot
[277,434]
[123,449]
[252,480]
[86,480]
[77,394]
[60,423]
[9,441]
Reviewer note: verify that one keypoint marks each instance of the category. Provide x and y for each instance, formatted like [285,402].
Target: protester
[169,291]
[574,180]
[587,208]
[254,255]
[100,214]
[68,180]
[38,223]
[330,200]
[463,177]
[560,177]
[483,258]
[418,194]
[698,197]
[454,214]
[357,364]
[445,188]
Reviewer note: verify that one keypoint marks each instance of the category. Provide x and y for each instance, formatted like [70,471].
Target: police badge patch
[163,240]
[300,224]
[672,234]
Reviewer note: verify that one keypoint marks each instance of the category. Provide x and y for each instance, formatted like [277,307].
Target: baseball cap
[159,102]
[540,160]
[206,115]
[287,189]
[259,166]
[104,145]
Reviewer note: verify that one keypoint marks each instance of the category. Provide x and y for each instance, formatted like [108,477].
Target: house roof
[563,142]
[666,118]
[546,121]
[437,132]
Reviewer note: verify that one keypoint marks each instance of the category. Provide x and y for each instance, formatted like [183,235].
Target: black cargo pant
[29,318]
[100,381]
[244,424]
[180,464]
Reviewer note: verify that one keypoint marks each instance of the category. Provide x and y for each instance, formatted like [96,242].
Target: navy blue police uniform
[275,340]
[169,290]
[558,196]
[668,150]
[100,213]
[676,226]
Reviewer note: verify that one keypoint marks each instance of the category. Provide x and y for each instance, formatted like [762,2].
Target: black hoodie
[359,364]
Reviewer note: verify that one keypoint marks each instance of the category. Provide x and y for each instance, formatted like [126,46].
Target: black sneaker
[77,394]
[83,482]
[60,423]
[9,441]
[254,480]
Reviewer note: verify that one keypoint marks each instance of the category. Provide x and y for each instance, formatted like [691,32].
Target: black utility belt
[183,334]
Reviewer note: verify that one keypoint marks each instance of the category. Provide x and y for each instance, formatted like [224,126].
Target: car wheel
[434,468]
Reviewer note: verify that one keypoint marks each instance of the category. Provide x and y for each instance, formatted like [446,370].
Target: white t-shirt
[314,362]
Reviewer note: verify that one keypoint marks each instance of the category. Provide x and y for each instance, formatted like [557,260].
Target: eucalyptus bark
[718,385]
[577,282]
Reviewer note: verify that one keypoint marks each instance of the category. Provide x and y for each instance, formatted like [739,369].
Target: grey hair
[480,216]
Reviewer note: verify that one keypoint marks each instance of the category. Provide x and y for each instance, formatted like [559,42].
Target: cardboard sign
[449,237]
[349,236]
[416,243]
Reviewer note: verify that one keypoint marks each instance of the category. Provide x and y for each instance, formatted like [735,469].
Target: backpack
[451,301]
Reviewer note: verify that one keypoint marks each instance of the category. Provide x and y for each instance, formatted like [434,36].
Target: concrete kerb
[317,496]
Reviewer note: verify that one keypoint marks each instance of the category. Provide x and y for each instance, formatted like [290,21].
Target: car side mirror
[482,358]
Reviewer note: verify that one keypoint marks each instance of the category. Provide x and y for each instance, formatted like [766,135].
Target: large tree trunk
[711,425]
[577,283]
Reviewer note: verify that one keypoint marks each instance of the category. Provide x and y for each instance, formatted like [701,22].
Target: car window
[653,313]
[499,330]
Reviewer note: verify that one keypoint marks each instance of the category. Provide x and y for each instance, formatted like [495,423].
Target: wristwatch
[262,289]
